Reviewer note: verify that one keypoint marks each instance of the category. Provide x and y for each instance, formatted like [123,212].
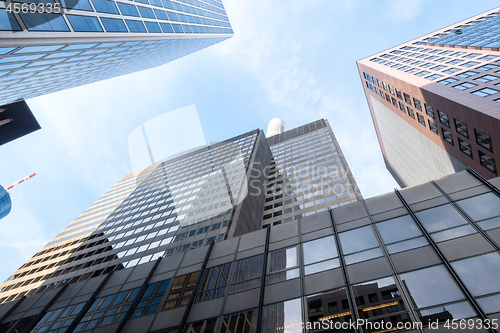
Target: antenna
[21,181]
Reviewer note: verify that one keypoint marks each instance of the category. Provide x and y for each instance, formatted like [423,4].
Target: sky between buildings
[293,59]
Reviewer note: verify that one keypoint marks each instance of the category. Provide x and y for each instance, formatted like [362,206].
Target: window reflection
[442,313]
[283,317]
[482,206]
[480,274]
[398,229]
[431,286]
[320,255]
[331,306]
[283,265]
[358,240]
[440,218]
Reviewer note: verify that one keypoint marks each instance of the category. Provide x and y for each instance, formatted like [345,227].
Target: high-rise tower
[435,101]
[56,45]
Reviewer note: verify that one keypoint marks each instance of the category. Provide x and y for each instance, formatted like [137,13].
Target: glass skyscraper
[435,100]
[47,46]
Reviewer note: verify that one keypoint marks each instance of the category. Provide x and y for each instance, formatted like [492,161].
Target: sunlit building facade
[435,101]
[51,46]
[308,174]
[412,260]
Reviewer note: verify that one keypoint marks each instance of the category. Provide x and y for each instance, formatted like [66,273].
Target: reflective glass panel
[431,286]
[358,240]
[481,207]
[490,304]
[319,249]
[362,256]
[398,229]
[284,317]
[439,218]
[480,274]
[407,245]
[459,310]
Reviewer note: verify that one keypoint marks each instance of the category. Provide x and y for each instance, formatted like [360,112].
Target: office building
[402,261]
[5,203]
[16,120]
[53,46]
[435,101]
[308,174]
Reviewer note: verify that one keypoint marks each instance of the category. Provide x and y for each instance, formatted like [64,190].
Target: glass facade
[5,203]
[308,174]
[304,272]
[179,204]
[126,37]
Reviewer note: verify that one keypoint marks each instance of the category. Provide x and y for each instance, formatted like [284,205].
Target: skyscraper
[16,120]
[435,101]
[308,174]
[209,194]
[53,46]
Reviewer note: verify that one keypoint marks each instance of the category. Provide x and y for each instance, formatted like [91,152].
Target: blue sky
[293,59]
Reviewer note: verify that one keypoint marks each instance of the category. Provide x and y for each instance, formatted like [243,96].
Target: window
[105,6]
[411,113]
[422,73]
[398,229]
[465,147]
[8,21]
[447,136]
[443,118]
[454,62]
[481,207]
[135,26]
[181,290]
[433,77]
[488,57]
[465,86]
[320,255]
[487,67]
[447,81]
[214,283]
[429,110]
[44,22]
[484,140]
[407,98]
[401,107]
[486,78]
[488,162]
[469,271]
[469,64]
[418,106]
[432,126]
[394,102]
[359,239]
[421,119]
[451,70]
[127,9]
[431,286]
[437,68]
[467,74]
[470,55]
[113,25]
[398,94]
[485,92]
[247,274]
[283,265]
[461,128]
[84,23]
[146,12]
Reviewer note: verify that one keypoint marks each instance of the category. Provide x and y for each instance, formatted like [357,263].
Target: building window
[407,98]
[465,147]
[461,128]
[447,136]
[411,113]
[433,127]
[470,55]
[465,86]
[398,94]
[485,92]
[488,57]
[391,89]
[44,22]
[454,62]
[487,67]
[467,74]
[401,107]
[447,81]
[418,106]
[469,64]
[484,140]
[486,78]
[283,265]
[320,255]
[421,119]
[488,162]
[394,102]
[443,119]
[433,77]
[429,110]
[451,70]
[422,73]
[437,68]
